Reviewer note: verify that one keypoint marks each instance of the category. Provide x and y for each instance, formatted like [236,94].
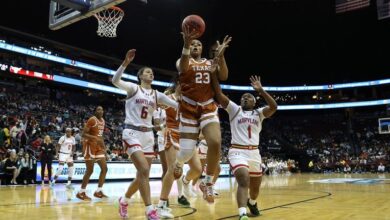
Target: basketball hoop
[108,20]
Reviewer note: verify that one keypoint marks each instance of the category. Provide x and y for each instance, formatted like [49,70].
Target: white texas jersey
[66,144]
[160,113]
[140,107]
[245,126]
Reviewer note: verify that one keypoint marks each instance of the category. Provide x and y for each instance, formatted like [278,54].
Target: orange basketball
[194,23]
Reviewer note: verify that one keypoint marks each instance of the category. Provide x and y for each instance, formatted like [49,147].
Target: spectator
[11,166]
[381,168]
[26,169]
[47,152]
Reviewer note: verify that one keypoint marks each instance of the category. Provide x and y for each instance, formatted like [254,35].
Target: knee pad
[70,171]
[187,150]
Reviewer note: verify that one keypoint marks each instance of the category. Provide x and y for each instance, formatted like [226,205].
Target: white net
[108,21]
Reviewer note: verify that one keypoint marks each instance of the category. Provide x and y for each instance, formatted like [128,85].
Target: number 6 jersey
[245,126]
[140,107]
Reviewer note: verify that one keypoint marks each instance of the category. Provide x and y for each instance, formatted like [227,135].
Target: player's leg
[240,168]
[99,155]
[135,185]
[216,175]
[189,132]
[163,161]
[61,163]
[203,164]
[170,154]
[89,163]
[70,173]
[212,133]
[242,176]
[193,173]
[255,172]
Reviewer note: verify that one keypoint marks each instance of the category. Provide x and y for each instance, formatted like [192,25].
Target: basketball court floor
[300,196]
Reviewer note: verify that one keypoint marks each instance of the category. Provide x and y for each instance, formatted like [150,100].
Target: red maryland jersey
[196,82]
[172,120]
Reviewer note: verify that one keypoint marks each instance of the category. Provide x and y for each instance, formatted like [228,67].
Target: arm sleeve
[127,86]
[232,109]
[165,100]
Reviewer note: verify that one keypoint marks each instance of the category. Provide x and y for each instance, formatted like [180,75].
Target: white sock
[209,179]
[82,191]
[149,208]
[69,182]
[162,203]
[99,189]
[252,202]
[242,211]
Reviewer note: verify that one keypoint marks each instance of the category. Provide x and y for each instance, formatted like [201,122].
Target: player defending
[138,138]
[94,150]
[65,149]
[244,155]
[159,122]
[197,108]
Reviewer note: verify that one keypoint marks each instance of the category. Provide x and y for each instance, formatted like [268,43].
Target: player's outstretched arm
[183,64]
[221,98]
[117,81]
[163,99]
[223,71]
[272,106]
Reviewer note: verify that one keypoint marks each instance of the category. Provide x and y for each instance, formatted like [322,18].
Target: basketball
[195,23]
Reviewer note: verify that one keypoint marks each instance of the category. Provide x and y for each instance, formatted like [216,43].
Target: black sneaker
[183,201]
[253,208]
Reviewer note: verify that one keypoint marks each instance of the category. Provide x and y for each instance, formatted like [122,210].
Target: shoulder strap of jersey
[258,112]
[132,95]
[235,115]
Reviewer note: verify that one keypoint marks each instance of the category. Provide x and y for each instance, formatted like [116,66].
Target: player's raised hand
[225,44]
[129,57]
[188,35]
[214,65]
[256,83]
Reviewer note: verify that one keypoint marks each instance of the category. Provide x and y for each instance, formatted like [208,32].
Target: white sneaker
[165,213]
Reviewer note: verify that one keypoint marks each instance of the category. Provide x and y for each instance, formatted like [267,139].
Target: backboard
[66,12]
[384,125]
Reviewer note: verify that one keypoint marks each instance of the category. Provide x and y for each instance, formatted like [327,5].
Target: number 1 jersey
[245,126]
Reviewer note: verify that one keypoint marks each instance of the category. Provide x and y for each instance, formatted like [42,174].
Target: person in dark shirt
[47,152]
[11,166]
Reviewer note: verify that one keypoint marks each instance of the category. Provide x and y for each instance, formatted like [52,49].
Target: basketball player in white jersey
[66,146]
[138,138]
[159,122]
[244,155]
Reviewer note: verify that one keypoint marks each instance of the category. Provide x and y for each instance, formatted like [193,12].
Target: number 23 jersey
[245,126]
[196,81]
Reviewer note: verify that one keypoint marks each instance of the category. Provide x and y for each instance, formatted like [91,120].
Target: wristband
[186,51]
